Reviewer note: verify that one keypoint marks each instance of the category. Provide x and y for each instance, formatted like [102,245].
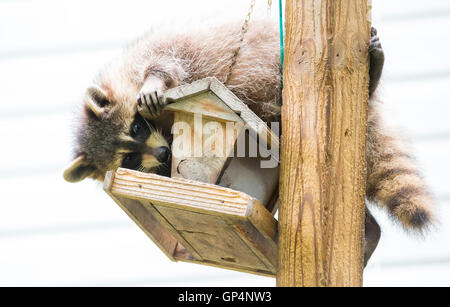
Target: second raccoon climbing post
[322,183]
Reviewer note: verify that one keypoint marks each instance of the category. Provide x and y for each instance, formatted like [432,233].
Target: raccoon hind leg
[376,59]
[372,234]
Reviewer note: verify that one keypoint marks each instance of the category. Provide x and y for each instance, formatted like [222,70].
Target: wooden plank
[170,228]
[206,104]
[201,146]
[230,267]
[272,205]
[212,237]
[187,90]
[181,254]
[179,192]
[263,248]
[262,220]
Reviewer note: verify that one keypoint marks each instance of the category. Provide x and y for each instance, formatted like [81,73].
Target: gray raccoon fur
[393,181]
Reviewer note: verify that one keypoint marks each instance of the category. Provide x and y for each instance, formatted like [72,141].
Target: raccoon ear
[78,169]
[96,100]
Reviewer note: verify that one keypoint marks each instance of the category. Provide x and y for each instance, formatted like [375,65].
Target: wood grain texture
[179,192]
[199,222]
[202,148]
[322,183]
[168,227]
[252,121]
[214,239]
[207,104]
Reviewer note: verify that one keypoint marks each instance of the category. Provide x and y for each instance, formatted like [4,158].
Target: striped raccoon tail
[393,179]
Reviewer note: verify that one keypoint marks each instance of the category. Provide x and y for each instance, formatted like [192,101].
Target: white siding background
[56,233]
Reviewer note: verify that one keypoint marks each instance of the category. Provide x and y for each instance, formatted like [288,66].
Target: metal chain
[243,31]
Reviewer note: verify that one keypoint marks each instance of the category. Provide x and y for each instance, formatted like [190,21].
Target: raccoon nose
[163,154]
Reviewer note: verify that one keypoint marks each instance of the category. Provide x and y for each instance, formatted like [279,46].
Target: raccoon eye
[132,160]
[135,129]
[139,129]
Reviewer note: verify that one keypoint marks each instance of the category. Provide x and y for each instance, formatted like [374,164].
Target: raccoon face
[146,149]
[113,134]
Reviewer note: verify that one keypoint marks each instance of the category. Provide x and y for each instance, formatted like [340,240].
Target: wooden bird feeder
[216,208]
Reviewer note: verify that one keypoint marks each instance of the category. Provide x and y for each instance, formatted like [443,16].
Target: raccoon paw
[150,104]
[376,54]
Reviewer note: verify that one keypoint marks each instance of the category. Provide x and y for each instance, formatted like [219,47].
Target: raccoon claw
[151,104]
[376,60]
[375,44]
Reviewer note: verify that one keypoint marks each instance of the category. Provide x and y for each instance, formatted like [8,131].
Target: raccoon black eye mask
[140,130]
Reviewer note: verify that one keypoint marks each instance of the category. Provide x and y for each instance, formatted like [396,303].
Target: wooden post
[322,185]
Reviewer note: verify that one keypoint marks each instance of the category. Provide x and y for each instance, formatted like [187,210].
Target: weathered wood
[262,220]
[169,229]
[229,266]
[206,104]
[213,225]
[272,204]
[322,183]
[205,143]
[265,250]
[213,238]
[178,192]
[207,101]
[252,121]
[245,175]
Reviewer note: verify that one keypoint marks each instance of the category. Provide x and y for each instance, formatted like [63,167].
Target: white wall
[55,233]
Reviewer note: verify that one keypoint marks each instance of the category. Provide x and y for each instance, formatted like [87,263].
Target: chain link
[243,31]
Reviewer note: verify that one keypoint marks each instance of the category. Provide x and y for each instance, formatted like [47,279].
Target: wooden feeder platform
[214,209]
[198,222]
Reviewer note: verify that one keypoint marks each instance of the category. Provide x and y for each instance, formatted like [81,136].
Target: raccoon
[112,133]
